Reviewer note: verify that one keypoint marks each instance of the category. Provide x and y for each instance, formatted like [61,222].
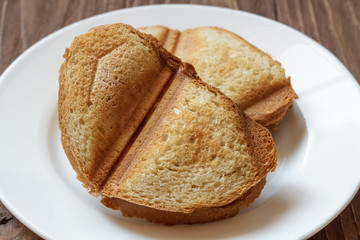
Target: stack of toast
[164,129]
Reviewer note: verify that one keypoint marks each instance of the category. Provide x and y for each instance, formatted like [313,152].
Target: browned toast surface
[240,70]
[196,150]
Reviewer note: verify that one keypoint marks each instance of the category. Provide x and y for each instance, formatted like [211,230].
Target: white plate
[318,171]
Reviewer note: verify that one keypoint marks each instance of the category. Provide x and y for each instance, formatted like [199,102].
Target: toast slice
[147,135]
[250,77]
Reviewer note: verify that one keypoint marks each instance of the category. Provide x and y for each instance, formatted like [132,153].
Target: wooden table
[333,23]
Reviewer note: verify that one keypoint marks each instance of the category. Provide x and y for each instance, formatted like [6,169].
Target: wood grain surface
[333,23]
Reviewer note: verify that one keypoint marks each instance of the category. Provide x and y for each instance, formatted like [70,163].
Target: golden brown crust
[263,147]
[270,110]
[202,215]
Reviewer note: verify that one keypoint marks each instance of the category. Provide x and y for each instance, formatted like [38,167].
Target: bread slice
[110,79]
[145,133]
[250,77]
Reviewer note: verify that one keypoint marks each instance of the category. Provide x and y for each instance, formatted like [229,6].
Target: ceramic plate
[318,146]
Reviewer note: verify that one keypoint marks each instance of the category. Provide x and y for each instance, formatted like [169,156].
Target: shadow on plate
[290,133]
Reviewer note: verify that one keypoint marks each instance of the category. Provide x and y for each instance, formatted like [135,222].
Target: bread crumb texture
[236,67]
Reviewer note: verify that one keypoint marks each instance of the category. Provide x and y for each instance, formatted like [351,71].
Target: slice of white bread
[145,133]
[250,77]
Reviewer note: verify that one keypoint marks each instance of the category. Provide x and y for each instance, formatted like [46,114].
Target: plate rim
[54,34]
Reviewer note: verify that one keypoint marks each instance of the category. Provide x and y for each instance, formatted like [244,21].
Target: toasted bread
[141,129]
[250,77]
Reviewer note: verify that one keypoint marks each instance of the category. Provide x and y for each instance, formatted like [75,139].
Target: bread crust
[272,109]
[203,215]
